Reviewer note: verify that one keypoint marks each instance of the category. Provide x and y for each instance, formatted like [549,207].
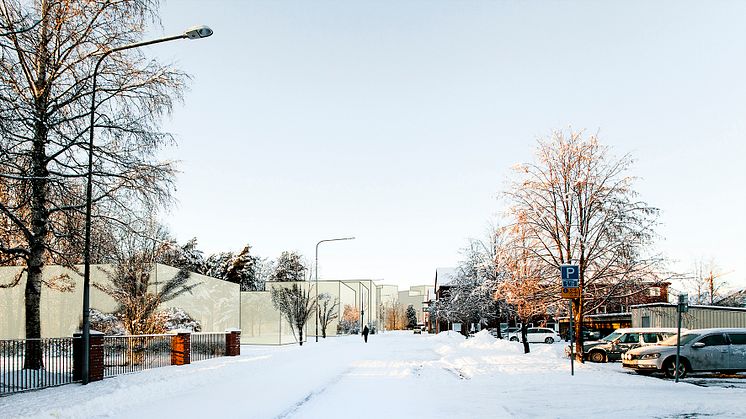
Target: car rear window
[737,338]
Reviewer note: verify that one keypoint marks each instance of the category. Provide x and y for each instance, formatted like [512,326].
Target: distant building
[615,312]
[445,281]
[417,297]
[697,317]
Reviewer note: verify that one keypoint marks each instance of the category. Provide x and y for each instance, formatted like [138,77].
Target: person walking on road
[365,333]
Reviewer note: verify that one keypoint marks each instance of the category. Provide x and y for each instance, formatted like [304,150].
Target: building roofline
[706,307]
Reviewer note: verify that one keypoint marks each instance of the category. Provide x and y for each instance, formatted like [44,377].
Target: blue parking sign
[570,272]
[570,276]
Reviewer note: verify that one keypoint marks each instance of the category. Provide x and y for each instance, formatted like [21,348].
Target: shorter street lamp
[195,32]
[317,278]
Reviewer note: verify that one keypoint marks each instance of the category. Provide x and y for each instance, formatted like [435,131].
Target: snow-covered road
[394,375]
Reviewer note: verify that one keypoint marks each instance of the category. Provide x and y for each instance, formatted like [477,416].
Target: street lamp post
[317,278]
[196,32]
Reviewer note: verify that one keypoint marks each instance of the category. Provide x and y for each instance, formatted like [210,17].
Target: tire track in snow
[294,408]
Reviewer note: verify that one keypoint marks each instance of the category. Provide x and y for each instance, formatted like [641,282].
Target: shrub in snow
[106,323]
[175,318]
[350,323]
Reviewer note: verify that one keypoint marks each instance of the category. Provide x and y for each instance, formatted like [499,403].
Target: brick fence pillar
[95,360]
[232,342]
[181,348]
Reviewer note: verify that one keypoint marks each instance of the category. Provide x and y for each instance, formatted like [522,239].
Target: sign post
[571,289]
[682,307]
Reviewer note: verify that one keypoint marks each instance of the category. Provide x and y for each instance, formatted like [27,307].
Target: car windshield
[684,339]
[611,337]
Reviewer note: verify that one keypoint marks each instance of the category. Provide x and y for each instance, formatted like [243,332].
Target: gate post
[181,348]
[232,342]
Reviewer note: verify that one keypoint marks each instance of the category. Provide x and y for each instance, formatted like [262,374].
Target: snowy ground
[394,375]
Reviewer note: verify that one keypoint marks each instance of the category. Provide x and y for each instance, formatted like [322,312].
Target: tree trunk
[497,309]
[577,307]
[33,356]
[524,337]
[39,213]
[300,336]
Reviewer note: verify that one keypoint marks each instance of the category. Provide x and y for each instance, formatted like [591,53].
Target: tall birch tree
[45,98]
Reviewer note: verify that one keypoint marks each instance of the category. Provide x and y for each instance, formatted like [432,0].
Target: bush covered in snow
[175,318]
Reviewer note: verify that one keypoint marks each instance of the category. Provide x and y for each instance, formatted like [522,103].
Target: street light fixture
[195,32]
[317,278]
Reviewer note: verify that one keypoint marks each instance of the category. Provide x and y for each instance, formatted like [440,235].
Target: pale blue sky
[398,121]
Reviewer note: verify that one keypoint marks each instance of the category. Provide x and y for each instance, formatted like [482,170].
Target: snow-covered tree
[472,299]
[411,317]
[289,267]
[350,322]
[242,268]
[576,204]
[187,256]
[296,305]
[328,311]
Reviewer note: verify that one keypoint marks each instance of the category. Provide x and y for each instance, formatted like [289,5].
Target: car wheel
[514,339]
[548,340]
[670,368]
[597,356]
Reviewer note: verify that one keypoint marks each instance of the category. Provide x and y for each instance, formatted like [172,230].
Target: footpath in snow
[394,375]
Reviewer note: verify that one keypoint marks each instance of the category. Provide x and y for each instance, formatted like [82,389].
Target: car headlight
[651,356]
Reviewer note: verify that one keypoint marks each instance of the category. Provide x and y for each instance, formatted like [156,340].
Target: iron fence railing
[121,355]
[125,354]
[206,346]
[21,370]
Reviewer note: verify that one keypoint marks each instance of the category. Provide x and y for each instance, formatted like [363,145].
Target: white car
[536,335]
[721,349]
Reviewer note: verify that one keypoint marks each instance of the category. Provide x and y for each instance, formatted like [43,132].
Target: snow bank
[394,375]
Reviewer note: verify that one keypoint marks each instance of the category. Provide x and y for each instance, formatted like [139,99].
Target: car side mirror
[698,345]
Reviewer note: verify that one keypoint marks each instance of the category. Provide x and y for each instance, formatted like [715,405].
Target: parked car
[510,332]
[611,347]
[590,335]
[534,335]
[721,349]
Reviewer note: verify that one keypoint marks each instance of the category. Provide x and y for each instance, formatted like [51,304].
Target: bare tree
[45,95]
[296,305]
[328,311]
[706,282]
[395,316]
[576,204]
[130,283]
[524,287]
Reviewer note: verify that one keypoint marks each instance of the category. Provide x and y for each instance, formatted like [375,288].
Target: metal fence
[122,355]
[125,354]
[56,364]
[206,346]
